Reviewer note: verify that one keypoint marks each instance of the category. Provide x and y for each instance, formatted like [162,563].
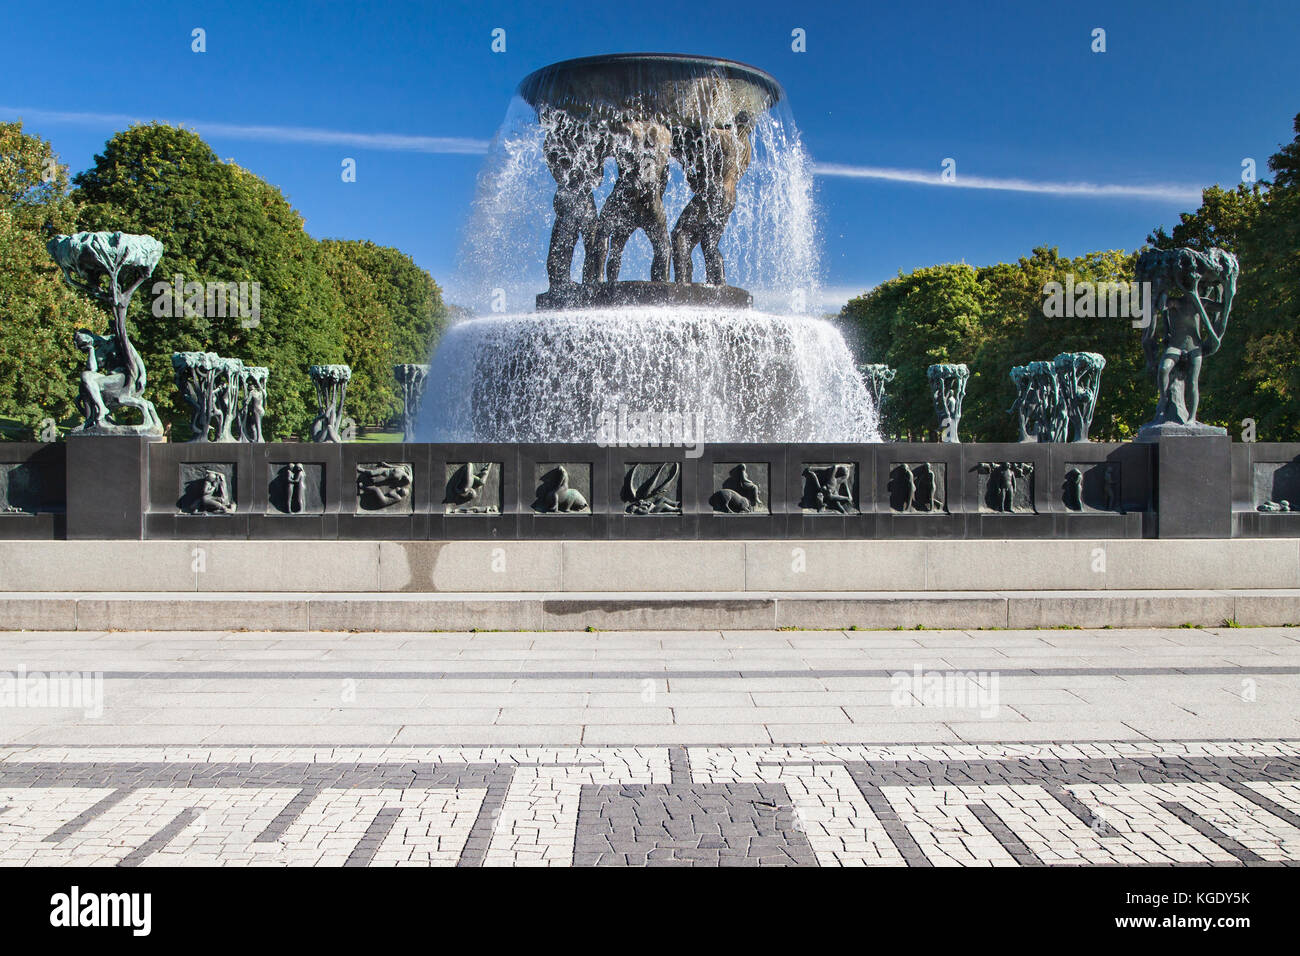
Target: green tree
[392,312]
[992,318]
[1224,219]
[38,311]
[918,319]
[1270,328]
[218,223]
[412,296]
[1020,331]
[1231,385]
[367,334]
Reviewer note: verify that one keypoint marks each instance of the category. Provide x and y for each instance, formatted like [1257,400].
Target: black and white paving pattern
[784,748]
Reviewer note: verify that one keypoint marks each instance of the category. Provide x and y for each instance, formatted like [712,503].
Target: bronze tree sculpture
[109,267]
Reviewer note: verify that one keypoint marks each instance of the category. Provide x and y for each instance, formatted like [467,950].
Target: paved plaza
[918,748]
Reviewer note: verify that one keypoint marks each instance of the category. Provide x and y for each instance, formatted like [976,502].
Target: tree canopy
[38,311]
[218,223]
[392,312]
[993,318]
[1255,374]
[337,301]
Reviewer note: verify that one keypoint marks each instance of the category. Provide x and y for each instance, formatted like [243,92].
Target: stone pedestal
[632,293]
[1154,432]
[1194,486]
[107,486]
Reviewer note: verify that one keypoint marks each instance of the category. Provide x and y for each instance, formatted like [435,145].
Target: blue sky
[1011,91]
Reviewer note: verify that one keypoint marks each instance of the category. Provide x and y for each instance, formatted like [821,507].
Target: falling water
[727,376]
[770,247]
[779,375]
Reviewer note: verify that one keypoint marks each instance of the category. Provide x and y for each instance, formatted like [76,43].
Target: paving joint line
[1211,832]
[743,674]
[364,852]
[161,839]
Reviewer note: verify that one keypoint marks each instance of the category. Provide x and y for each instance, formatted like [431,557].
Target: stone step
[633,611]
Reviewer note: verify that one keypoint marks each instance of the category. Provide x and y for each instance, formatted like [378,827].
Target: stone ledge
[377,611]
[650,567]
[1129,609]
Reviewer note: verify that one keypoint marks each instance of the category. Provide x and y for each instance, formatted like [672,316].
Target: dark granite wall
[131,488]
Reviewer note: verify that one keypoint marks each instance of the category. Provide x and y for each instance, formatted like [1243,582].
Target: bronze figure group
[712,156]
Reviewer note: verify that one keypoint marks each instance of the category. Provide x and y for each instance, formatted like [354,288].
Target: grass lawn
[377,437]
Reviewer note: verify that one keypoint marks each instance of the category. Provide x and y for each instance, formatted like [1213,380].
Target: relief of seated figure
[209,494]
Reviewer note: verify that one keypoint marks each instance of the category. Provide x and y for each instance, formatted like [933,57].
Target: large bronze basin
[689,89]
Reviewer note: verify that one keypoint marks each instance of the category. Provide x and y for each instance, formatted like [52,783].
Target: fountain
[670,387]
[646,134]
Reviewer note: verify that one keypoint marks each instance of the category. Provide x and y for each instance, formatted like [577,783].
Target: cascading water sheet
[726,376]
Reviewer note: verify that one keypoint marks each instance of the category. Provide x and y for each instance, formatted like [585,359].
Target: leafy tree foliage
[38,311]
[1020,332]
[392,312]
[1272,332]
[1255,374]
[992,318]
[372,307]
[318,303]
[217,223]
[929,316]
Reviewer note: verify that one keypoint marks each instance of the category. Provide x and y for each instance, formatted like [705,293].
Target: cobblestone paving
[1127,803]
[753,748]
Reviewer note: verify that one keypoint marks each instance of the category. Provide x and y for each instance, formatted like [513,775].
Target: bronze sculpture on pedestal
[109,267]
[1192,295]
[643,111]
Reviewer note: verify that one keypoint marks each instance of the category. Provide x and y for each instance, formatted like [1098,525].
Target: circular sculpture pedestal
[634,293]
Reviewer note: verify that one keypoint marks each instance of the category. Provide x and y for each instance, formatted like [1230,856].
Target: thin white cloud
[1160,192]
[273,134]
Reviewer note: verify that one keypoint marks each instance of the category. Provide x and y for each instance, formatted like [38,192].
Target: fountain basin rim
[675,66]
[620,316]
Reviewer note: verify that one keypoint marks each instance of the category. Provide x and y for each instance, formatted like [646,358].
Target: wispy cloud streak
[272,134]
[1158,192]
